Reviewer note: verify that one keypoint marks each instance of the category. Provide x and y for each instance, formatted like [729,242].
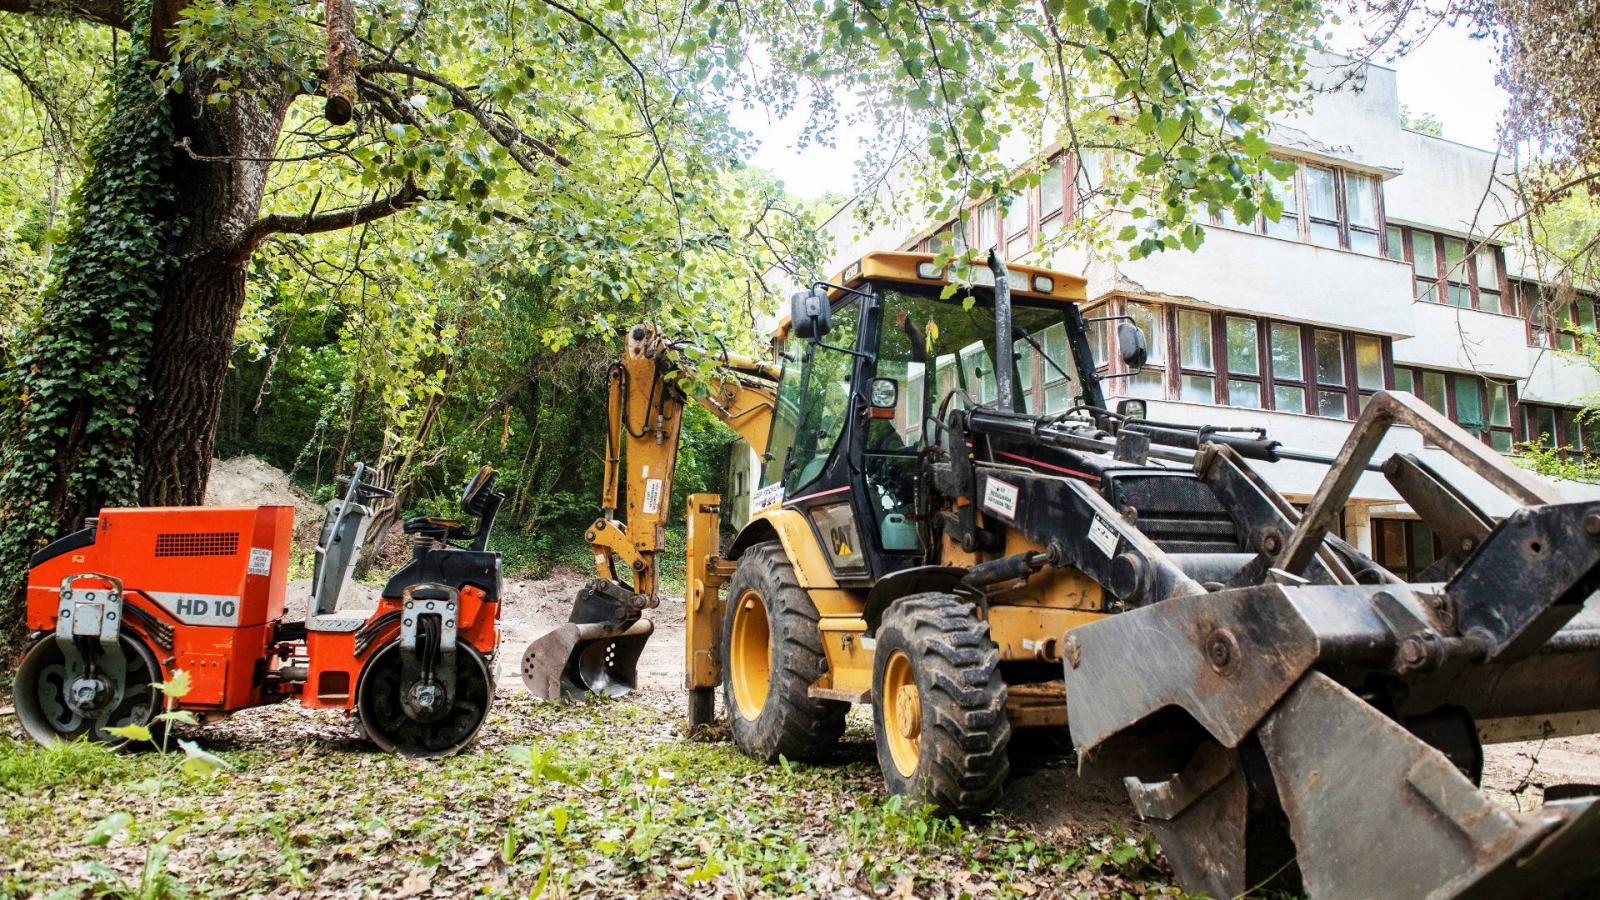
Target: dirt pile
[248,481]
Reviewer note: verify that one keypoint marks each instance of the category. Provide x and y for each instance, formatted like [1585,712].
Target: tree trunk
[220,180]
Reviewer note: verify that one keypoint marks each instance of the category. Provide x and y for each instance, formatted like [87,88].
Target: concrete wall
[1448,187]
[1354,118]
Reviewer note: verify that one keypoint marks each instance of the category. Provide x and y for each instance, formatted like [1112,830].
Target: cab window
[813,403]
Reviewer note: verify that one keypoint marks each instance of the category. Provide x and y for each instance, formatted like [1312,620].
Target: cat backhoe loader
[956,531]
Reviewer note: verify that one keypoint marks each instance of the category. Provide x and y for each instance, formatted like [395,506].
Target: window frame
[1172,368]
[1444,277]
[1569,439]
[1485,398]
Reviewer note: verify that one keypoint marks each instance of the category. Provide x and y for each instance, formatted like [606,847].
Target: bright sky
[1450,75]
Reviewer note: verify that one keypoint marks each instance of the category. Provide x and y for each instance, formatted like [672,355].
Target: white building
[1368,281]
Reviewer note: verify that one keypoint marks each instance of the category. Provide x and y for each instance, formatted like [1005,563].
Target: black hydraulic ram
[1173,443]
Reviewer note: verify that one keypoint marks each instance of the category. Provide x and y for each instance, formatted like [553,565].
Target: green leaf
[176,687]
[198,763]
[710,869]
[1127,233]
[108,828]
[134,733]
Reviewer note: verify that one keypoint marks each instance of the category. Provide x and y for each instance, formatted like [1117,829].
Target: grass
[593,799]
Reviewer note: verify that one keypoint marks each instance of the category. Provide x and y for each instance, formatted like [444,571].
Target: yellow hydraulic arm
[645,419]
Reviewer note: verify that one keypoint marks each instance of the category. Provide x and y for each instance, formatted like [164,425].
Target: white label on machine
[260,561]
[771,495]
[652,496]
[199,609]
[1102,535]
[1001,498]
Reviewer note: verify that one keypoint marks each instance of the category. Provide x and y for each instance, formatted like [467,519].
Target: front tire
[939,705]
[771,655]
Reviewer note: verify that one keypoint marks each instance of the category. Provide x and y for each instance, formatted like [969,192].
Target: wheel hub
[908,711]
[89,694]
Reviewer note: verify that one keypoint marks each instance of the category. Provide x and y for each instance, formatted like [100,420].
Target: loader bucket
[594,657]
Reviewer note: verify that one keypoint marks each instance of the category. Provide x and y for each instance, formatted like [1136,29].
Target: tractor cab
[876,361]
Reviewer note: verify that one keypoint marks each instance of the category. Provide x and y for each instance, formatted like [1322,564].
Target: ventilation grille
[198,543]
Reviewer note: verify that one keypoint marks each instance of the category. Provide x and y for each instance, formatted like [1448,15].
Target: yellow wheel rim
[902,713]
[750,655]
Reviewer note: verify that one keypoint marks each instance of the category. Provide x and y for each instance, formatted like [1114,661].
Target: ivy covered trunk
[220,177]
[117,389]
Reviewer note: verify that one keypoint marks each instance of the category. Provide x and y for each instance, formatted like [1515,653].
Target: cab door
[810,462]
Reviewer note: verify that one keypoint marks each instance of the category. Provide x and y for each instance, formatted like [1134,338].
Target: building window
[1483,406]
[1288,369]
[1333,394]
[1445,273]
[1255,363]
[1197,381]
[1557,317]
[1343,209]
[1243,340]
[1486,275]
[1404,546]
[986,225]
[1559,428]
[1288,223]
[1150,381]
[1457,291]
[1394,244]
[1052,203]
[1322,206]
[1361,212]
[1425,265]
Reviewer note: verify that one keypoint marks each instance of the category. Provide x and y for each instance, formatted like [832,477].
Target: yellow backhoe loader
[953,528]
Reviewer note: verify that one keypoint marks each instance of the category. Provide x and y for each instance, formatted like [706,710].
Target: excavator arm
[598,650]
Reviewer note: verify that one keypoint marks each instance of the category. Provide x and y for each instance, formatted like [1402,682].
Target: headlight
[926,270]
[1044,284]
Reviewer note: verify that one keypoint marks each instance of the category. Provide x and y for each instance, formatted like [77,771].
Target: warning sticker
[652,496]
[771,495]
[1102,535]
[260,561]
[1000,498]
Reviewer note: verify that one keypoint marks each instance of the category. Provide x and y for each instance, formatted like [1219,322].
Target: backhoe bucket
[577,659]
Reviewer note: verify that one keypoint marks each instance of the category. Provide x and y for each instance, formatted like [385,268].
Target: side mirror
[1131,341]
[885,395]
[1132,409]
[809,315]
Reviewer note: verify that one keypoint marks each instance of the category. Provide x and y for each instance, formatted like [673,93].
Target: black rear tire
[770,712]
[956,759]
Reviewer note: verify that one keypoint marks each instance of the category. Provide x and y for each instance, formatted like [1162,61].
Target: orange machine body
[337,654]
[202,589]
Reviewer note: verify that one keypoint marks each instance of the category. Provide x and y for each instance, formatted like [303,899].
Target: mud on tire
[780,720]
[960,750]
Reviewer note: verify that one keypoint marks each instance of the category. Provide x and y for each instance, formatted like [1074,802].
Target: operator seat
[474,502]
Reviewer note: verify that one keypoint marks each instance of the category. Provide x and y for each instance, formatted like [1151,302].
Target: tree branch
[407,196]
[507,135]
[104,12]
